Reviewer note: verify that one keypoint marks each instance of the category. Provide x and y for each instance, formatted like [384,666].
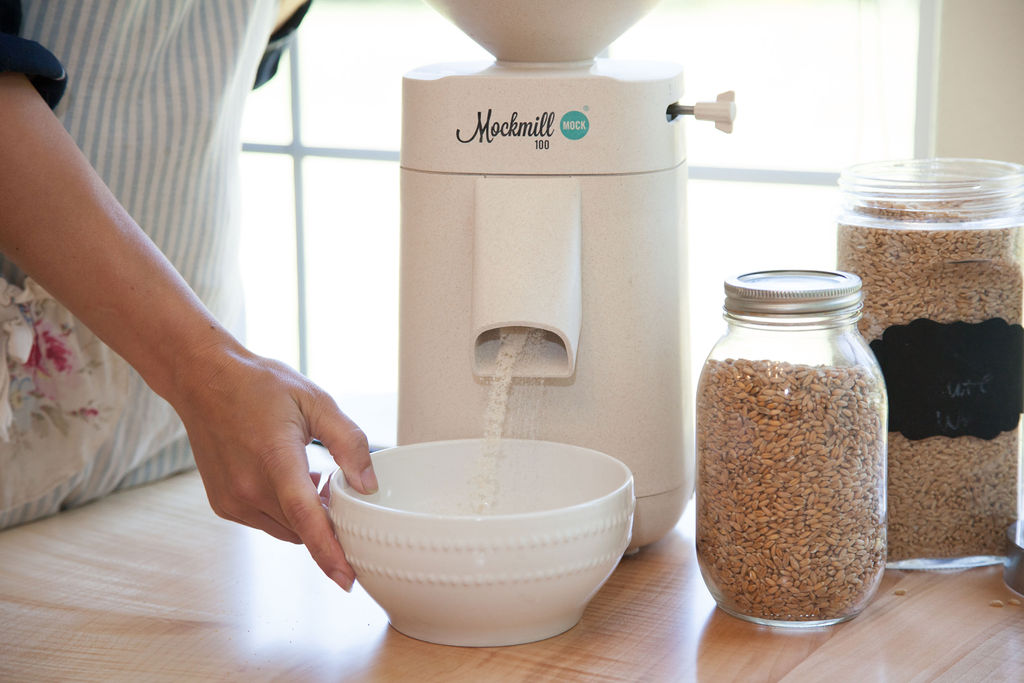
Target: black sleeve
[20,55]
[279,42]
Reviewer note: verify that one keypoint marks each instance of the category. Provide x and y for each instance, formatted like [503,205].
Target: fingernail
[369,479]
[343,580]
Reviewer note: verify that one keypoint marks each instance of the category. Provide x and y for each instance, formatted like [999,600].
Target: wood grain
[149,585]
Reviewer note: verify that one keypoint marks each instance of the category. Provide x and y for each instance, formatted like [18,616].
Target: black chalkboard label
[955,379]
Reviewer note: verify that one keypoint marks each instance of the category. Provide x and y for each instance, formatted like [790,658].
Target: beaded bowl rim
[341,488]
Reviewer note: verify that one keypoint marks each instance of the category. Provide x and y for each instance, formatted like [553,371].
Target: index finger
[300,503]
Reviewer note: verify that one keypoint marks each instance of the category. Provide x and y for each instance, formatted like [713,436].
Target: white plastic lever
[722,111]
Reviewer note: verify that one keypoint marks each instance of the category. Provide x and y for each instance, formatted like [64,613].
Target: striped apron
[154,100]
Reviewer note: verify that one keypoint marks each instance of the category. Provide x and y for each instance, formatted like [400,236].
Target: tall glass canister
[938,245]
[791,416]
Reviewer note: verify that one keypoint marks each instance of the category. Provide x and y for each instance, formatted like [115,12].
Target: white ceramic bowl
[522,571]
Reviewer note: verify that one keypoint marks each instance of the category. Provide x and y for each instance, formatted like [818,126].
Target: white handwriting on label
[968,387]
[950,423]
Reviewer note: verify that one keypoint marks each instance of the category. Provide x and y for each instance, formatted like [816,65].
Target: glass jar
[938,245]
[791,448]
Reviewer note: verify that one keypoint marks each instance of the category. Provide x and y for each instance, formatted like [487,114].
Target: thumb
[346,443]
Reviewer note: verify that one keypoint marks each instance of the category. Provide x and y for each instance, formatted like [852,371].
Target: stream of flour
[517,345]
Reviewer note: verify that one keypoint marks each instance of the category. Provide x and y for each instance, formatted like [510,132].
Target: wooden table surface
[149,585]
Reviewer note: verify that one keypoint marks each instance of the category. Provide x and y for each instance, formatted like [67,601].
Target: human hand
[249,420]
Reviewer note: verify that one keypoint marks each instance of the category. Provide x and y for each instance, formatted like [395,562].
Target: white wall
[979,107]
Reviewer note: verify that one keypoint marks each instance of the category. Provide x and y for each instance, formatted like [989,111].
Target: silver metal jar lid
[793,292]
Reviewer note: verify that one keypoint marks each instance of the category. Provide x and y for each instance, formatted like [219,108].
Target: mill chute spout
[527,271]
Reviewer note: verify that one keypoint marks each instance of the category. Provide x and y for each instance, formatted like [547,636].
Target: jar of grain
[938,245]
[791,415]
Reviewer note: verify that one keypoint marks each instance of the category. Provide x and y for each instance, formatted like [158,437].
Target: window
[820,85]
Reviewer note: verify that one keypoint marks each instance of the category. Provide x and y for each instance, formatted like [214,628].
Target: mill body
[550,196]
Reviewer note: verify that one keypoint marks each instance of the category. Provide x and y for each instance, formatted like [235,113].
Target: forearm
[248,418]
[62,226]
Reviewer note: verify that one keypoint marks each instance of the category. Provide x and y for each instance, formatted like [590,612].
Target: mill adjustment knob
[722,111]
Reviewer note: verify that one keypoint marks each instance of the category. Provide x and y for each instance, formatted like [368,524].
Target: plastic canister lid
[793,292]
